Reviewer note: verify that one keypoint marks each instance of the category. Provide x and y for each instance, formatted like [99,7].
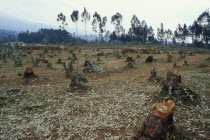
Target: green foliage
[49,36]
[81,78]
[62,18]
[45,50]
[85,18]
[18,58]
[75,18]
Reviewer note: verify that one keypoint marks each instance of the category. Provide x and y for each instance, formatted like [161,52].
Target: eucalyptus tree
[151,34]
[135,29]
[204,20]
[117,21]
[195,30]
[102,26]
[107,35]
[62,18]
[168,36]
[96,22]
[160,33]
[75,18]
[144,31]
[85,17]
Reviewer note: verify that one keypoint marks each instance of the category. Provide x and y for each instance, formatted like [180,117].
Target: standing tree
[75,18]
[102,26]
[117,21]
[135,29]
[185,33]
[160,33]
[85,18]
[168,36]
[144,31]
[107,35]
[204,20]
[62,18]
[195,31]
[151,34]
[96,22]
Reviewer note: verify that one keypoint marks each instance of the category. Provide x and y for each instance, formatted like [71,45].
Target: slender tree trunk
[85,32]
[76,29]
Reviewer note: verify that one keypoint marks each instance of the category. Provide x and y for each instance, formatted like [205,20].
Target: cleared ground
[115,103]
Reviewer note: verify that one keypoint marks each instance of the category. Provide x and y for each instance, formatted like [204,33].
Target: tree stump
[149,59]
[159,123]
[45,60]
[59,61]
[153,73]
[169,58]
[130,61]
[185,63]
[88,67]
[29,73]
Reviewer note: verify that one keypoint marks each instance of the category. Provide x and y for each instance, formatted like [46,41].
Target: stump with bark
[130,61]
[149,59]
[45,60]
[159,123]
[88,66]
[29,73]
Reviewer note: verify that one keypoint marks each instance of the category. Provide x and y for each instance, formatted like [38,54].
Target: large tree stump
[45,60]
[130,61]
[149,59]
[88,66]
[159,123]
[29,73]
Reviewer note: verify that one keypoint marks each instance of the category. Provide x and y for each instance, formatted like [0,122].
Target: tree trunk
[85,31]
[76,29]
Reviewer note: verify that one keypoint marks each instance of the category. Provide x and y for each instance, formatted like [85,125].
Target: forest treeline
[197,34]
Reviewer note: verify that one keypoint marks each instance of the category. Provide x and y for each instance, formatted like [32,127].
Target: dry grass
[118,100]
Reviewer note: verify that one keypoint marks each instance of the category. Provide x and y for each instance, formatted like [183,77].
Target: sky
[170,12]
